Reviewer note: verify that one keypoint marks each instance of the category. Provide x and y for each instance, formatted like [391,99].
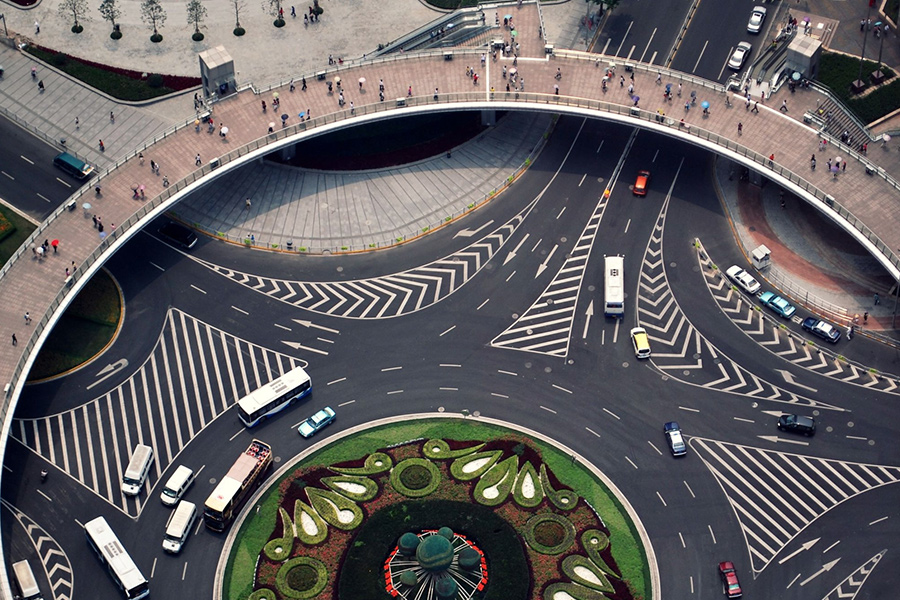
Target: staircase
[839,122]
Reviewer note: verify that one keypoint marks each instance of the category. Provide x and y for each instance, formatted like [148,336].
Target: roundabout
[488,510]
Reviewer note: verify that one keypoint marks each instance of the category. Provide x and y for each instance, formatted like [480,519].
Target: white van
[138,468]
[179,526]
[177,485]
[25,581]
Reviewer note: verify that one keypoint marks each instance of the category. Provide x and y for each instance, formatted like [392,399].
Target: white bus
[110,551]
[274,396]
[614,287]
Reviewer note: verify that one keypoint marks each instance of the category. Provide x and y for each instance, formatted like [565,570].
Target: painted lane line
[562,389]
[802,548]
[690,490]
[654,447]
[448,331]
[692,583]
[510,276]
[346,403]
[279,326]
[240,310]
[200,290]
[601,141]
[8,175]
[45,495]
[647,47]
[561,213]
[28,160]
[549,410]
[483,303]
[496,395]
[327,341]
[391,369]
[450,365]
[395,392]
[299,346]
[592,431]
[583,177]
[7,468]
[231,439]
[855,437]
[793,581]
[536,245]
[627,225]
[658,495]
[507,372]
[681,537]
[43,197]
[65,183]
[878,521]
[184,571]
[696,410]
[448,389]
[609,412]
[713,535]
[831,546]
[153,568]
[655,154]
[631,462]
[157,266]
[705,44]
[337,381]
[744,420]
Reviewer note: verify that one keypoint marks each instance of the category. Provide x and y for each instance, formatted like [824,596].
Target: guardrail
[818,305]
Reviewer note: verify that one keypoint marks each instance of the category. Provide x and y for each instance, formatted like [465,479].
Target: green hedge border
[288,591]
[422,462]
[563,546]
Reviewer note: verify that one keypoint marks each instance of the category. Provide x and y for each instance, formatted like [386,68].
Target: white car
[743,279]
[739,55]
[756,19]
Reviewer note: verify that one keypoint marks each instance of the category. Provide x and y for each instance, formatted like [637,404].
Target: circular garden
[437,508]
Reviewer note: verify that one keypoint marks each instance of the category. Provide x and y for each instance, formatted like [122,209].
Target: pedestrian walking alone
[102,146]
[784,107]
[866,317]
[740,128]
[112,117]
[15,340]
[876,299]
[95,221]
[28,318]
[197,160]
[755,107]
[41,86]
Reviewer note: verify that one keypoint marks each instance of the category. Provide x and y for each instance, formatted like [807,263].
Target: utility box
[803,55]
[217,72]
[762,257]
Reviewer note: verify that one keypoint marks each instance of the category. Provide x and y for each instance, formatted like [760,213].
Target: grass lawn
[839,71]
[84,330]
[14,230]
[256,529]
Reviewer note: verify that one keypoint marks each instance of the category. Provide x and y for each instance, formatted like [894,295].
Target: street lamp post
[5,30]
[859,84]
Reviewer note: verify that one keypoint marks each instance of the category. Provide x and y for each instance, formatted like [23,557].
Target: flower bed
[538,538]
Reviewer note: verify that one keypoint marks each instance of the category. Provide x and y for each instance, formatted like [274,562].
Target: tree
[273,8]
[196,12]
[111,11]
[154,15]
[604,5]
[238,5]
[76,9]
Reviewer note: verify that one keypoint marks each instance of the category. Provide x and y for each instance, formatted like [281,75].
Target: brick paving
[28,284]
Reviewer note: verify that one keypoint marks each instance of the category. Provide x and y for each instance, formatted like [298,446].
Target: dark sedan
[822,329]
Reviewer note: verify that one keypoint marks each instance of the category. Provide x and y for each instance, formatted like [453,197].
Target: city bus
[118,562]
[614,287]
[274,396]
[246,474]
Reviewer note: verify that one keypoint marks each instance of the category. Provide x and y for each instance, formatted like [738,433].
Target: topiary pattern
[475,465]
[560,542]
[495,485]
[439,449]
[375,463]
[310,527]
[428,488]
[280,549]
[315,578]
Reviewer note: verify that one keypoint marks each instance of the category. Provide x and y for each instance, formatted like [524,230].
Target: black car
[179,235]
[823,329]
[797,424]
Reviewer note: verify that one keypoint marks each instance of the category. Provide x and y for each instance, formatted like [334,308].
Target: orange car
[641,183]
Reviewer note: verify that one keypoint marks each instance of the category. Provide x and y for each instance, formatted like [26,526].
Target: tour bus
[242,478]
[274,396]
[25,581]
[118,562]
[614,287]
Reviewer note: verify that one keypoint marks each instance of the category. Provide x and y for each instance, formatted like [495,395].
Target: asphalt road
[195,338]
[28,179]
[640,30]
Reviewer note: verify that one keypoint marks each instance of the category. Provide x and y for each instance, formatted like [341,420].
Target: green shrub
[155,80]
[838,71]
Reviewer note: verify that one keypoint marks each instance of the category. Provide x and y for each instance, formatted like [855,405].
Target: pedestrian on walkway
[755,107]
[165,181]
[844,166]
[679,86]
[381,85]
[55,244]
[630,89]
[37,27]
[436,91]
[73,267]
[409,92]
[876,299]
[67,272]
[95,221]
[475,78]
[556,89]
[658,78]
[197,160]
[784,107]
[112,117]
[866,317]
[247,204]
[621,81]
[34,73]
[27,318]
[772,159]
[152,166]
[812,162]
[102,146]
[40,253]
[15,340]
[747,105]
[303,84]
[740,128]
[141,158]
[828,164]
[41,86]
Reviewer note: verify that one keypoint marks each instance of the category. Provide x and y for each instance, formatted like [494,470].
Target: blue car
[778,304]
[318,421]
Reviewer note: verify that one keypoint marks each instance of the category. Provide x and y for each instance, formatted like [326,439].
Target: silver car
[756,19]
[739,55]
[743,279]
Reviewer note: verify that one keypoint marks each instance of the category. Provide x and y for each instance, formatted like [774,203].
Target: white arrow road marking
[543,266]
[776,439]
[805,546]
[470,232]
[789,377]
[311,324]
[109,370]
[587,323]
[298,346]
[825,567]
[512,254]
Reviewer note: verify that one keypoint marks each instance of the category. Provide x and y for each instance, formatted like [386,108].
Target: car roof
[726,565]
[759,9]
[671,426]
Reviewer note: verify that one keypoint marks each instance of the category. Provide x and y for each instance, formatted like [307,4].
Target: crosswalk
[852,585]
[682,352]
[776,495]
[194,373]
[54,560]
[794,348]
[389,295]
[546,327]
